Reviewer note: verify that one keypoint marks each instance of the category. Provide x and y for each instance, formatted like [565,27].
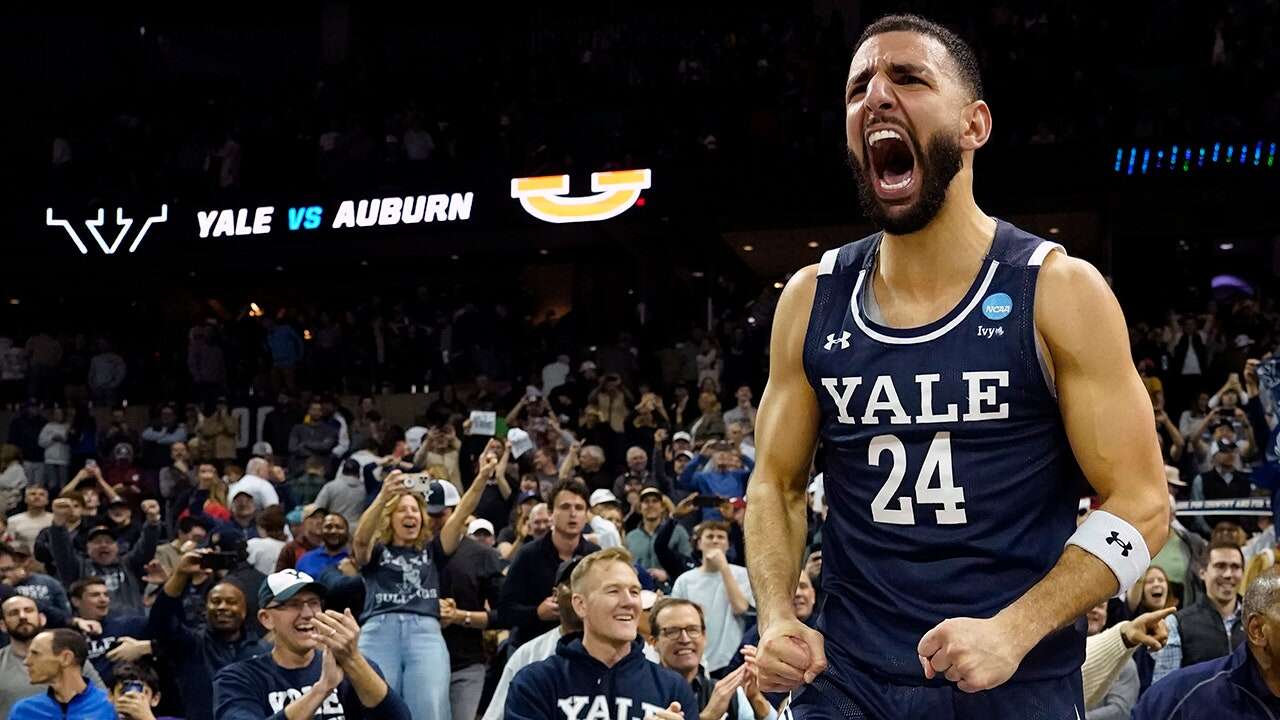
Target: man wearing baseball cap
[315,668]
[603,533]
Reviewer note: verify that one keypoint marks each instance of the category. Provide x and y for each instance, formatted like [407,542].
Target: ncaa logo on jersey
[842,341]
[997,306]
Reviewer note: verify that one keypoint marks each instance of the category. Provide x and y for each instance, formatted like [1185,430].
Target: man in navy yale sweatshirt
[602,671]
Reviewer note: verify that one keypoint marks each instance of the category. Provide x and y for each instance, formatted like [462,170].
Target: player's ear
[976,130]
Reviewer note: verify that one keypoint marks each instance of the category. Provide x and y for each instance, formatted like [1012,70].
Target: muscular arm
[786,434]
[1107,415]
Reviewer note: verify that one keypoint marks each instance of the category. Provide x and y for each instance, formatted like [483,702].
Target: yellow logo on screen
[546,197]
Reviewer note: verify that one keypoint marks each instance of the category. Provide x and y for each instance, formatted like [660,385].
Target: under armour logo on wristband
[1115,538]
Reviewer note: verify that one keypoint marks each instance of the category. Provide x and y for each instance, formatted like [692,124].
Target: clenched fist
[974,654]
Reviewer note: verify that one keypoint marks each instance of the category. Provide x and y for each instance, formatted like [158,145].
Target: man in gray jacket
[23,621]
[345,494]
[123,576]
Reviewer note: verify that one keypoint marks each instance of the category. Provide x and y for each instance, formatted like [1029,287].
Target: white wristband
[1115,542]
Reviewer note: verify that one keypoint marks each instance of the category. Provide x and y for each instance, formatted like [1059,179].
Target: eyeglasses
[297,605]
[671,633]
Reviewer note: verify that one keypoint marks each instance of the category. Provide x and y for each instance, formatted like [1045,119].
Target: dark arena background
[569,220]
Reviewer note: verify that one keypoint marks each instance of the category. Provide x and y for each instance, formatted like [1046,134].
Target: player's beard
[938,164]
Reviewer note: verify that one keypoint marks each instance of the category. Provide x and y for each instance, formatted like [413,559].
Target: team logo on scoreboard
[547,197]
[122,222]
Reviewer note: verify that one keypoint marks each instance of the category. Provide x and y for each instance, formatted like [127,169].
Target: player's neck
[947,252]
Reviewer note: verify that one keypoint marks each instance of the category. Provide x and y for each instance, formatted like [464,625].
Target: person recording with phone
[136,693]
[719,470]
[400,562]
[195,652]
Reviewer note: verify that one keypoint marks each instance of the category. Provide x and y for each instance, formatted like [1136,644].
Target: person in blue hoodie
[1244,685]
[602,671]
[56,658]
[717,470]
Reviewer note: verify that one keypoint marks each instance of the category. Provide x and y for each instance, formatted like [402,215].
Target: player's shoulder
[1068,284]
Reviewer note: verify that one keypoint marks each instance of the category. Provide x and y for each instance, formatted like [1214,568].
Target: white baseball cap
[682,435]
[480,524]
[603,495]
[413,437]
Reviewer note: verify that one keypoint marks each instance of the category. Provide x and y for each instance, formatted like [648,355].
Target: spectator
[337,547]
[286,349]
[114,635]
[22,622]
[279,422]
[640,540]
[15,570]
[208,499]
[1182,559]
[24,431]
[13,479]
[196,652]
[294,679]
[107,372]
[440,447]
[244,513]
[743,412]
[471,580]
[57,453]
[586,462]
[264,548]
[1223,481]
[1123,692]
[1240,685]
[77,530]
[402,615]
[25,526]
[191,529]
[725,478]
[307,485]
[543,646]
[606,595]
[679,632]
[121,521]
[628,485]
[311,537]
[710,425]
[722,590]
[119,431]
[158,437]
[533,521]
[217,433]
[256,484]
[122,576]
[338,421]
[345,494]
[312,437]
[136,692]
[603,532]
[1212,627]
[481,531]
[528,602]
[555,373]
[56,658]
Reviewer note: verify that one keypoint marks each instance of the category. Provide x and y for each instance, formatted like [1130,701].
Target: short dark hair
[77,588]
[1224,545]
[655,628]
[966,62]
[133,671]
[67,639]
[577,487]
[191,522]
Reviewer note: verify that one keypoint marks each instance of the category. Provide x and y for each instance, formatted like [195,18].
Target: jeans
[414,660]
[465,689]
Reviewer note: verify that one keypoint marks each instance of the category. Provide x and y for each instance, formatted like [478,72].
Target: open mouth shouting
[892,160]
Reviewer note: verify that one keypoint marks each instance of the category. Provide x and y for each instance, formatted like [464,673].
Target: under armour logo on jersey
[1125,547]
[842,341]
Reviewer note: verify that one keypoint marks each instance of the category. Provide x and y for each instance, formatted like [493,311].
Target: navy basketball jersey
[950,484]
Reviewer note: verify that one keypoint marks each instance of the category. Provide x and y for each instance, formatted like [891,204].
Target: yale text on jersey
[871,401]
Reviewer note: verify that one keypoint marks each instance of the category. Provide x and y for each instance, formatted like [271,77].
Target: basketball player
[960,373]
